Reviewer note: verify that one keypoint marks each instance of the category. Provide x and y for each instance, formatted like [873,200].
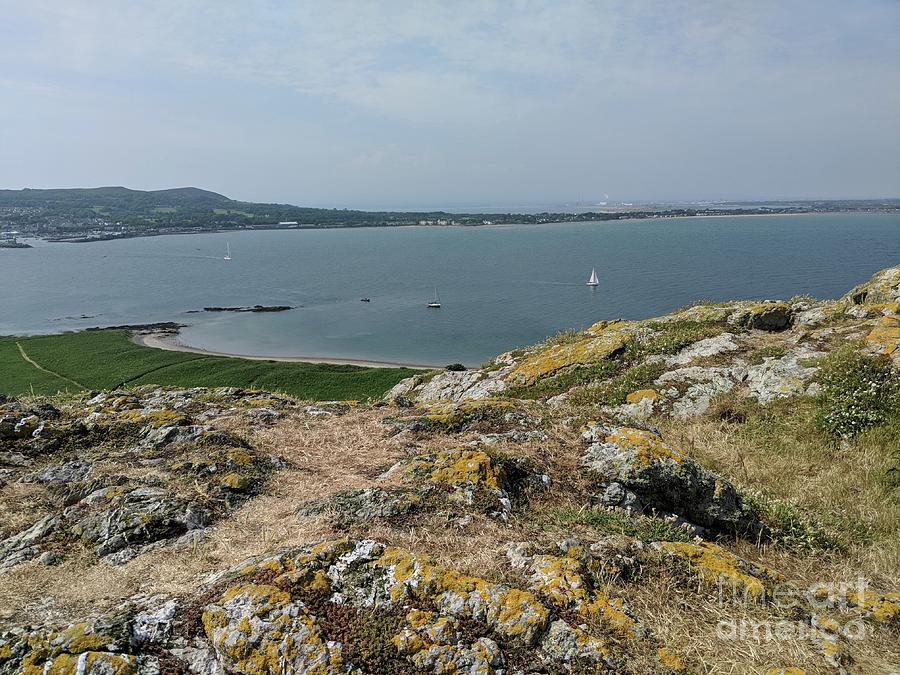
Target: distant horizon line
[580,203]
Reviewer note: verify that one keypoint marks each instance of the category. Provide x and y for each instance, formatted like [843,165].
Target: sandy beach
[170,342]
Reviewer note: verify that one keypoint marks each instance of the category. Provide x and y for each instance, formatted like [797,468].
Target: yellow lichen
[611,613]
[600,341]
[240,456]
[715,564]
[562,580]
[155,418]
[234,481]
[648,447]
[670,660]
[881,608]
[641,394]
[457,467]
[885,336]
[512,612]
[453,415]
[89,662]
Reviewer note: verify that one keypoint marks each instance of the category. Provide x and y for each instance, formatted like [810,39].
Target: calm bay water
[501,287]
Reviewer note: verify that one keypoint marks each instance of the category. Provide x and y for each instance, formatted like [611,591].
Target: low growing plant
[858,391]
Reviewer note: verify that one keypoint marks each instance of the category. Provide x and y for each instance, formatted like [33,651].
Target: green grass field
[108,359]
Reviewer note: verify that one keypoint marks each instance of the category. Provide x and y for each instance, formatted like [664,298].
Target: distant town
[97,214]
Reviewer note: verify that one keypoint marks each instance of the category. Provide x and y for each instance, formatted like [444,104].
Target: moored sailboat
[436,303]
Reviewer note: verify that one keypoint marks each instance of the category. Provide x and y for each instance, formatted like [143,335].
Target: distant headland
[98,214]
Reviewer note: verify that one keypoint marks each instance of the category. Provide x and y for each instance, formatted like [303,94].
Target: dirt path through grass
[40,367]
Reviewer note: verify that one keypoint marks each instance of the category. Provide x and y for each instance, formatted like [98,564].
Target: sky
[402,104]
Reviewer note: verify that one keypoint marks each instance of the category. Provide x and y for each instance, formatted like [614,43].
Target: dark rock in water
[161,327]
[254,308]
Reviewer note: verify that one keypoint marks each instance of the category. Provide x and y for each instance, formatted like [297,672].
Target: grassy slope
[19,377]
[108,359]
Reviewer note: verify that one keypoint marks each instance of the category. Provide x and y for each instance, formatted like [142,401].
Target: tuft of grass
[671,337]
[858,391]
[563,381]
[614,390]
[645,528]
[790,527]
[758,355]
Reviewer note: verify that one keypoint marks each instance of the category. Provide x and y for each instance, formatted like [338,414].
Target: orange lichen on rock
[458,467]
[717,565]
[641,394]
[885,336]
[647,446]
[600,341]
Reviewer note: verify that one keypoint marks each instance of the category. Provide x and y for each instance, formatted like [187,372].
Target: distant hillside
[91,214]
[112,198]
[80,211]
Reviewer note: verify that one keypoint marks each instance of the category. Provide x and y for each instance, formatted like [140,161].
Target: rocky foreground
[683,494]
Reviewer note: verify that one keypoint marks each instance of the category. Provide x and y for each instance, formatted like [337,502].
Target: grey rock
[50,558]
[781,377]
[617,495]
[666,480]
[69,472]
[706,383]
[354,506]
[140,517]
[712,346]
[451,386]
[24,546]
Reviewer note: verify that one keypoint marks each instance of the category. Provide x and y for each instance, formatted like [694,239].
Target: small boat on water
[227,251]
[365,300]
[593,281]
[436,303]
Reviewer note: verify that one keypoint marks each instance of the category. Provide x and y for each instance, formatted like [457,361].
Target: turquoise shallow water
[501,287]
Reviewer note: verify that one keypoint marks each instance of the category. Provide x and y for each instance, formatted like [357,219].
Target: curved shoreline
[169,342]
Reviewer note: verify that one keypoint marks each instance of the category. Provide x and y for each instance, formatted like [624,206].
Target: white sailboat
[436,303]
[593,281]
[227,251]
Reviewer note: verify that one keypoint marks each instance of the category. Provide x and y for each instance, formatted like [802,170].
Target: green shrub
[858,391]
[457,367]
[789,526]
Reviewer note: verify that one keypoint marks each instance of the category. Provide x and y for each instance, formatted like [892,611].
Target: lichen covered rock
[359,506]
[258,628]
[649,473]
[600,341]
[716,565]
[769,316]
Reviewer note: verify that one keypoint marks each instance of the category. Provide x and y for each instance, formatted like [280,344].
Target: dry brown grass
[21,504]
[841,487]
[324,455]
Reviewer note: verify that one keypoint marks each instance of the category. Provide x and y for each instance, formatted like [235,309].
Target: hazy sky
[403,103]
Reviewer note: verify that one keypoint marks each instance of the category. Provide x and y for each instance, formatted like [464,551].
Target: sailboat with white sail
[436,303]
[593,281]
[227,251]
